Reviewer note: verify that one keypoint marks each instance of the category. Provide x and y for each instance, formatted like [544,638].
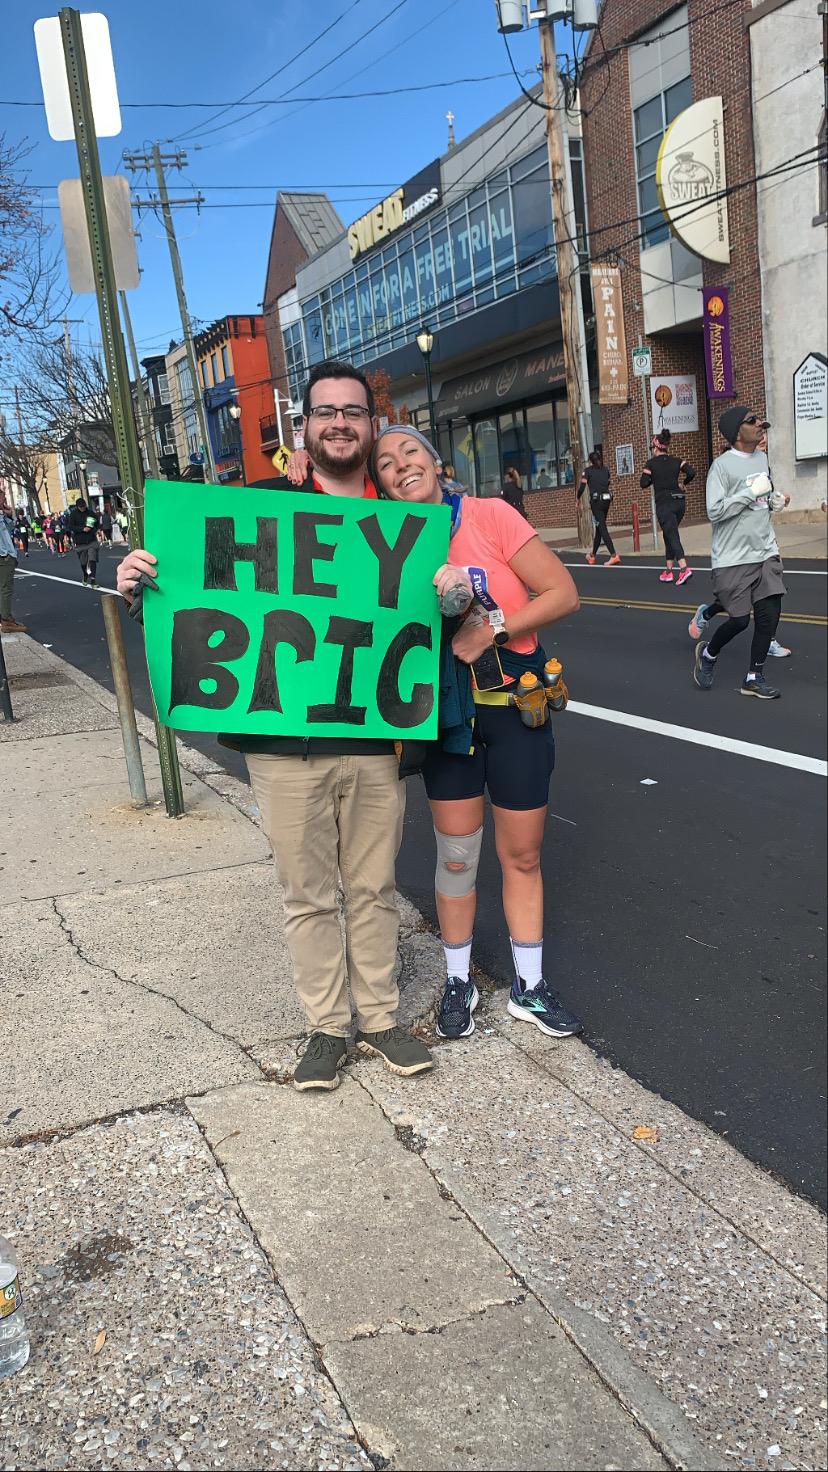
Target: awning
[508,382]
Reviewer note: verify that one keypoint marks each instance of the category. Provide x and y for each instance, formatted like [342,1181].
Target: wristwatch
[497,623]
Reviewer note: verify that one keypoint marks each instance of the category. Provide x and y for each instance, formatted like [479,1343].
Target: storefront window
[502,233]
[408,284]
[514,450]
[480,244]
[487,455]
[540,429]
[459,227]
[566,468]
[462,454]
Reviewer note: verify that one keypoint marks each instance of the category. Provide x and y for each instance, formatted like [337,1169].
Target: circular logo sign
[715,306]
[663,395]
[506,378]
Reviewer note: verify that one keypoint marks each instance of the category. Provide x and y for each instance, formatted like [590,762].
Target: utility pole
[143,409]
[574,352]
[30,509]
[157,161]
[130,467]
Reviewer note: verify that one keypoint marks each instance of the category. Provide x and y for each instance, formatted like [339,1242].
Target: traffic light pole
[568,266]
[123,420]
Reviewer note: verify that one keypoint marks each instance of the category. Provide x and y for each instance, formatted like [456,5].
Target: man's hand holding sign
[274,614]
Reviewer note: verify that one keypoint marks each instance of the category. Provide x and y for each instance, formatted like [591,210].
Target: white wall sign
[691,178]
[810,391]
[100,69]
[673,404]
[624,460]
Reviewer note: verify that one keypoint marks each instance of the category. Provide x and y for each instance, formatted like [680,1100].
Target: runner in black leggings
[596,477]
[662,472]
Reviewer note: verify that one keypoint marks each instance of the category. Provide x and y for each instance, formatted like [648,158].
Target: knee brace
[457,849]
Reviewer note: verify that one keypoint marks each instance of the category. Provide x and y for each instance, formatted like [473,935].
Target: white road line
[702,738]
[25,572]
[790,572]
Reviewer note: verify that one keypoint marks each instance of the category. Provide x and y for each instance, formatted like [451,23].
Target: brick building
[302,225]
[656,59]
[234,372]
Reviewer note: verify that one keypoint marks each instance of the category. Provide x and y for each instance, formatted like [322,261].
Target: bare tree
[31,297]
[26,465]
[67,396]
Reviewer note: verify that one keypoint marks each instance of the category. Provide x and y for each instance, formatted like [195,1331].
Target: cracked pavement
[482,1268]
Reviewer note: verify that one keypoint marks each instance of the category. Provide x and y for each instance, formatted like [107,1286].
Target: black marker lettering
[390,704]
[222,552]
[307,548]
[194,658]
[352,634]
[391,559]
[281,626]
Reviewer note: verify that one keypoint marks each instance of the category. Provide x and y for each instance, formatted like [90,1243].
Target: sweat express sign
[288,614]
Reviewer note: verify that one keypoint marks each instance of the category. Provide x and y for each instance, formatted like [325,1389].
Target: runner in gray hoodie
[747,572]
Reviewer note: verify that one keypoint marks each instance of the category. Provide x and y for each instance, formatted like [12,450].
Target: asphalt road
[685,885]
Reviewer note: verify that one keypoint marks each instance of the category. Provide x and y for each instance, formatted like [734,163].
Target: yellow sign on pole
[280,458]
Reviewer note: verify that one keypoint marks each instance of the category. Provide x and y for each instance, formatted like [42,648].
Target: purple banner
[718,364]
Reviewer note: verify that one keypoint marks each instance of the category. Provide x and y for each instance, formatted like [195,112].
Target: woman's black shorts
[509,759]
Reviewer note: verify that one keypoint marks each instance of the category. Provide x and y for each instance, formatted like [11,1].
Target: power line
[203,132]
[321,97]
[291,59]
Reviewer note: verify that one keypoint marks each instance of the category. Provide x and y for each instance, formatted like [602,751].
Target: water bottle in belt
[555,689]
[529,696]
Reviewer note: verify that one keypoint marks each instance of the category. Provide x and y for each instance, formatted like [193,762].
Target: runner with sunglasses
[746,568]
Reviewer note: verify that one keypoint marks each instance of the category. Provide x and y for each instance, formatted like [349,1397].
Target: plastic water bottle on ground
[14,1338]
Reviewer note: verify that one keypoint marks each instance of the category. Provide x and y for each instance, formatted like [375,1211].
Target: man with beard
[331,807]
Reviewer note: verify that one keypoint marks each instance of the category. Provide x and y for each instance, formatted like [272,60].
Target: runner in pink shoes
[661,473]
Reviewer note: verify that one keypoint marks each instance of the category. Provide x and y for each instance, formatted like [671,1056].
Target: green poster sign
[286,614]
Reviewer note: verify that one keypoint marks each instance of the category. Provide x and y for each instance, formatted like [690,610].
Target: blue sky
[206,52]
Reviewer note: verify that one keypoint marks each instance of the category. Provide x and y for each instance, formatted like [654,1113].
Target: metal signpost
[642,362]
[84,119]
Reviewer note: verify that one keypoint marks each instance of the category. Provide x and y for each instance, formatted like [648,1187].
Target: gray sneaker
[703,669]
[398,1050]
[319,1066]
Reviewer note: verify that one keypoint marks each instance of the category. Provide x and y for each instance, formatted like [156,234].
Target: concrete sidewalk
[807,539]
[490,1267]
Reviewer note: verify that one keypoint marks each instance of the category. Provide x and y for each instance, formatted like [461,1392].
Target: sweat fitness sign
[287,614]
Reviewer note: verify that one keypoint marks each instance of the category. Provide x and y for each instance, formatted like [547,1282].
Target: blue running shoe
[543,1007]
[454,1019]
[703,669]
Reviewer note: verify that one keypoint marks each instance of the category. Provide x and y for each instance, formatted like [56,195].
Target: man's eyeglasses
[326,413]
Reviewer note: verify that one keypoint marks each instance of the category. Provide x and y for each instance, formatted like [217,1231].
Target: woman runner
[662,472]
[497,552]
[596,478]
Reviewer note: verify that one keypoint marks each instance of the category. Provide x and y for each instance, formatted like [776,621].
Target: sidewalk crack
[143,986]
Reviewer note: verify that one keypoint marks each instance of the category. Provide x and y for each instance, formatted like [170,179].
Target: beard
[339,459]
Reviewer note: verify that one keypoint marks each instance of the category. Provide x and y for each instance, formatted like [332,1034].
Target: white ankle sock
[528,960]
[458,958]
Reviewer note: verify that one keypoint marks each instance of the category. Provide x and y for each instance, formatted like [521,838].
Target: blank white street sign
[100,68]
[76,235]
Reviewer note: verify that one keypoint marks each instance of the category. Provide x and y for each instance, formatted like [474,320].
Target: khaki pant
[324,816]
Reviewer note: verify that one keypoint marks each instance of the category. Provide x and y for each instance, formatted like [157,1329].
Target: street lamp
[82,480]
[425,342]
[235,412]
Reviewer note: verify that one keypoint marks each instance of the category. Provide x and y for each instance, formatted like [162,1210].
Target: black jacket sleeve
[688,472]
